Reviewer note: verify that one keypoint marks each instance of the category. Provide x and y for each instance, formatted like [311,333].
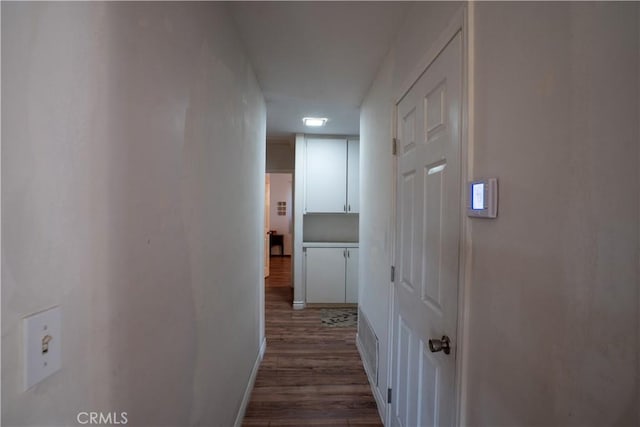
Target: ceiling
[316,58]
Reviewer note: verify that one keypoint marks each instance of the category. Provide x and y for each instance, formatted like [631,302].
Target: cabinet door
[326,175]
[325,273]
[353,176]
[352,276]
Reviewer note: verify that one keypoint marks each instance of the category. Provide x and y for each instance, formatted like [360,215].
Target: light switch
[42,346]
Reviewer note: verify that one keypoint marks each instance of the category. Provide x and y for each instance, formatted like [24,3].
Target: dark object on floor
[339,317]
[276,240]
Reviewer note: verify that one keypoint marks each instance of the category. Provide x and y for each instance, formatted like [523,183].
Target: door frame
[267,223]
[462,22]
[293,215]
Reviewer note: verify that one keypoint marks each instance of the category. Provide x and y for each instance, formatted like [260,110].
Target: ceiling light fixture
[314,121]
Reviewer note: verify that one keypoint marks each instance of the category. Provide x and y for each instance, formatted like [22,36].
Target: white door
[353,176]
[426,286]
[326,175]
[351,291]
[325,274]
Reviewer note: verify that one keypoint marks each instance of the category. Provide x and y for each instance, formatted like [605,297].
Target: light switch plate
[42,346]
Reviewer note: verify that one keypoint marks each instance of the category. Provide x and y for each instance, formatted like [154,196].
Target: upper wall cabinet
[326,175]
[331,176]
[353,176]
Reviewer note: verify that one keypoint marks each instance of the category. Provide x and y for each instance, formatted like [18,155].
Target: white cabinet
[351,286]
[331,175]
[353,176]
[325,275]
[331,275]
[325,175]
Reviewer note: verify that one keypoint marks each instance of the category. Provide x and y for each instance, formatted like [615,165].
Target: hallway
[311,374]
[136,142]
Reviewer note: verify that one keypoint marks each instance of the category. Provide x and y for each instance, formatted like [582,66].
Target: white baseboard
[377,394]
[298,305]
[252,380]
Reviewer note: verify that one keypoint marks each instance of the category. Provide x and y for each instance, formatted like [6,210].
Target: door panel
[403,377]
[428,375]
[434,179]
[407,374]
[428,228]
[407,231]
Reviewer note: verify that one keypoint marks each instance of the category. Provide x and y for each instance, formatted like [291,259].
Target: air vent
[368,346]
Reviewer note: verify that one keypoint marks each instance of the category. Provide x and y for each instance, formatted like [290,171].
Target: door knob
[443,344]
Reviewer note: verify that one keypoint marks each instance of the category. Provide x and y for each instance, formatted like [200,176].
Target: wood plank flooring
[279,272]
[311,375]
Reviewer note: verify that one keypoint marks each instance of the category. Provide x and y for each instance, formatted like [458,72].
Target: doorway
[280,229]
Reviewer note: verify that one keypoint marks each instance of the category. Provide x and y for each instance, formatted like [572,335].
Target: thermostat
[483,198]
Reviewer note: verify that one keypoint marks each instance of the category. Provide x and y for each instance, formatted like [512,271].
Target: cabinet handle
[344,253]
[348,254]
[349,208]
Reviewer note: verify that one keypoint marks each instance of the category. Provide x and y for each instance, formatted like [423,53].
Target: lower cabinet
[351,285]
[331,275]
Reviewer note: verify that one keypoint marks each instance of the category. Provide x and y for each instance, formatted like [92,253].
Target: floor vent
[369,345]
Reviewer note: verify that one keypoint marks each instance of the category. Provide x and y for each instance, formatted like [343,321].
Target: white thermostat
[483,198]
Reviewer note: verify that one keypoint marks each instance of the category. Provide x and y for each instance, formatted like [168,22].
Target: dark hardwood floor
[279,272]
[311,374]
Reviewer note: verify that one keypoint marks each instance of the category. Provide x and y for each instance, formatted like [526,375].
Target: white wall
[376,212]
[280,156]
[423,23]
[299,291]
[554,281]
[123,127]
[553,294]
[281,191]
